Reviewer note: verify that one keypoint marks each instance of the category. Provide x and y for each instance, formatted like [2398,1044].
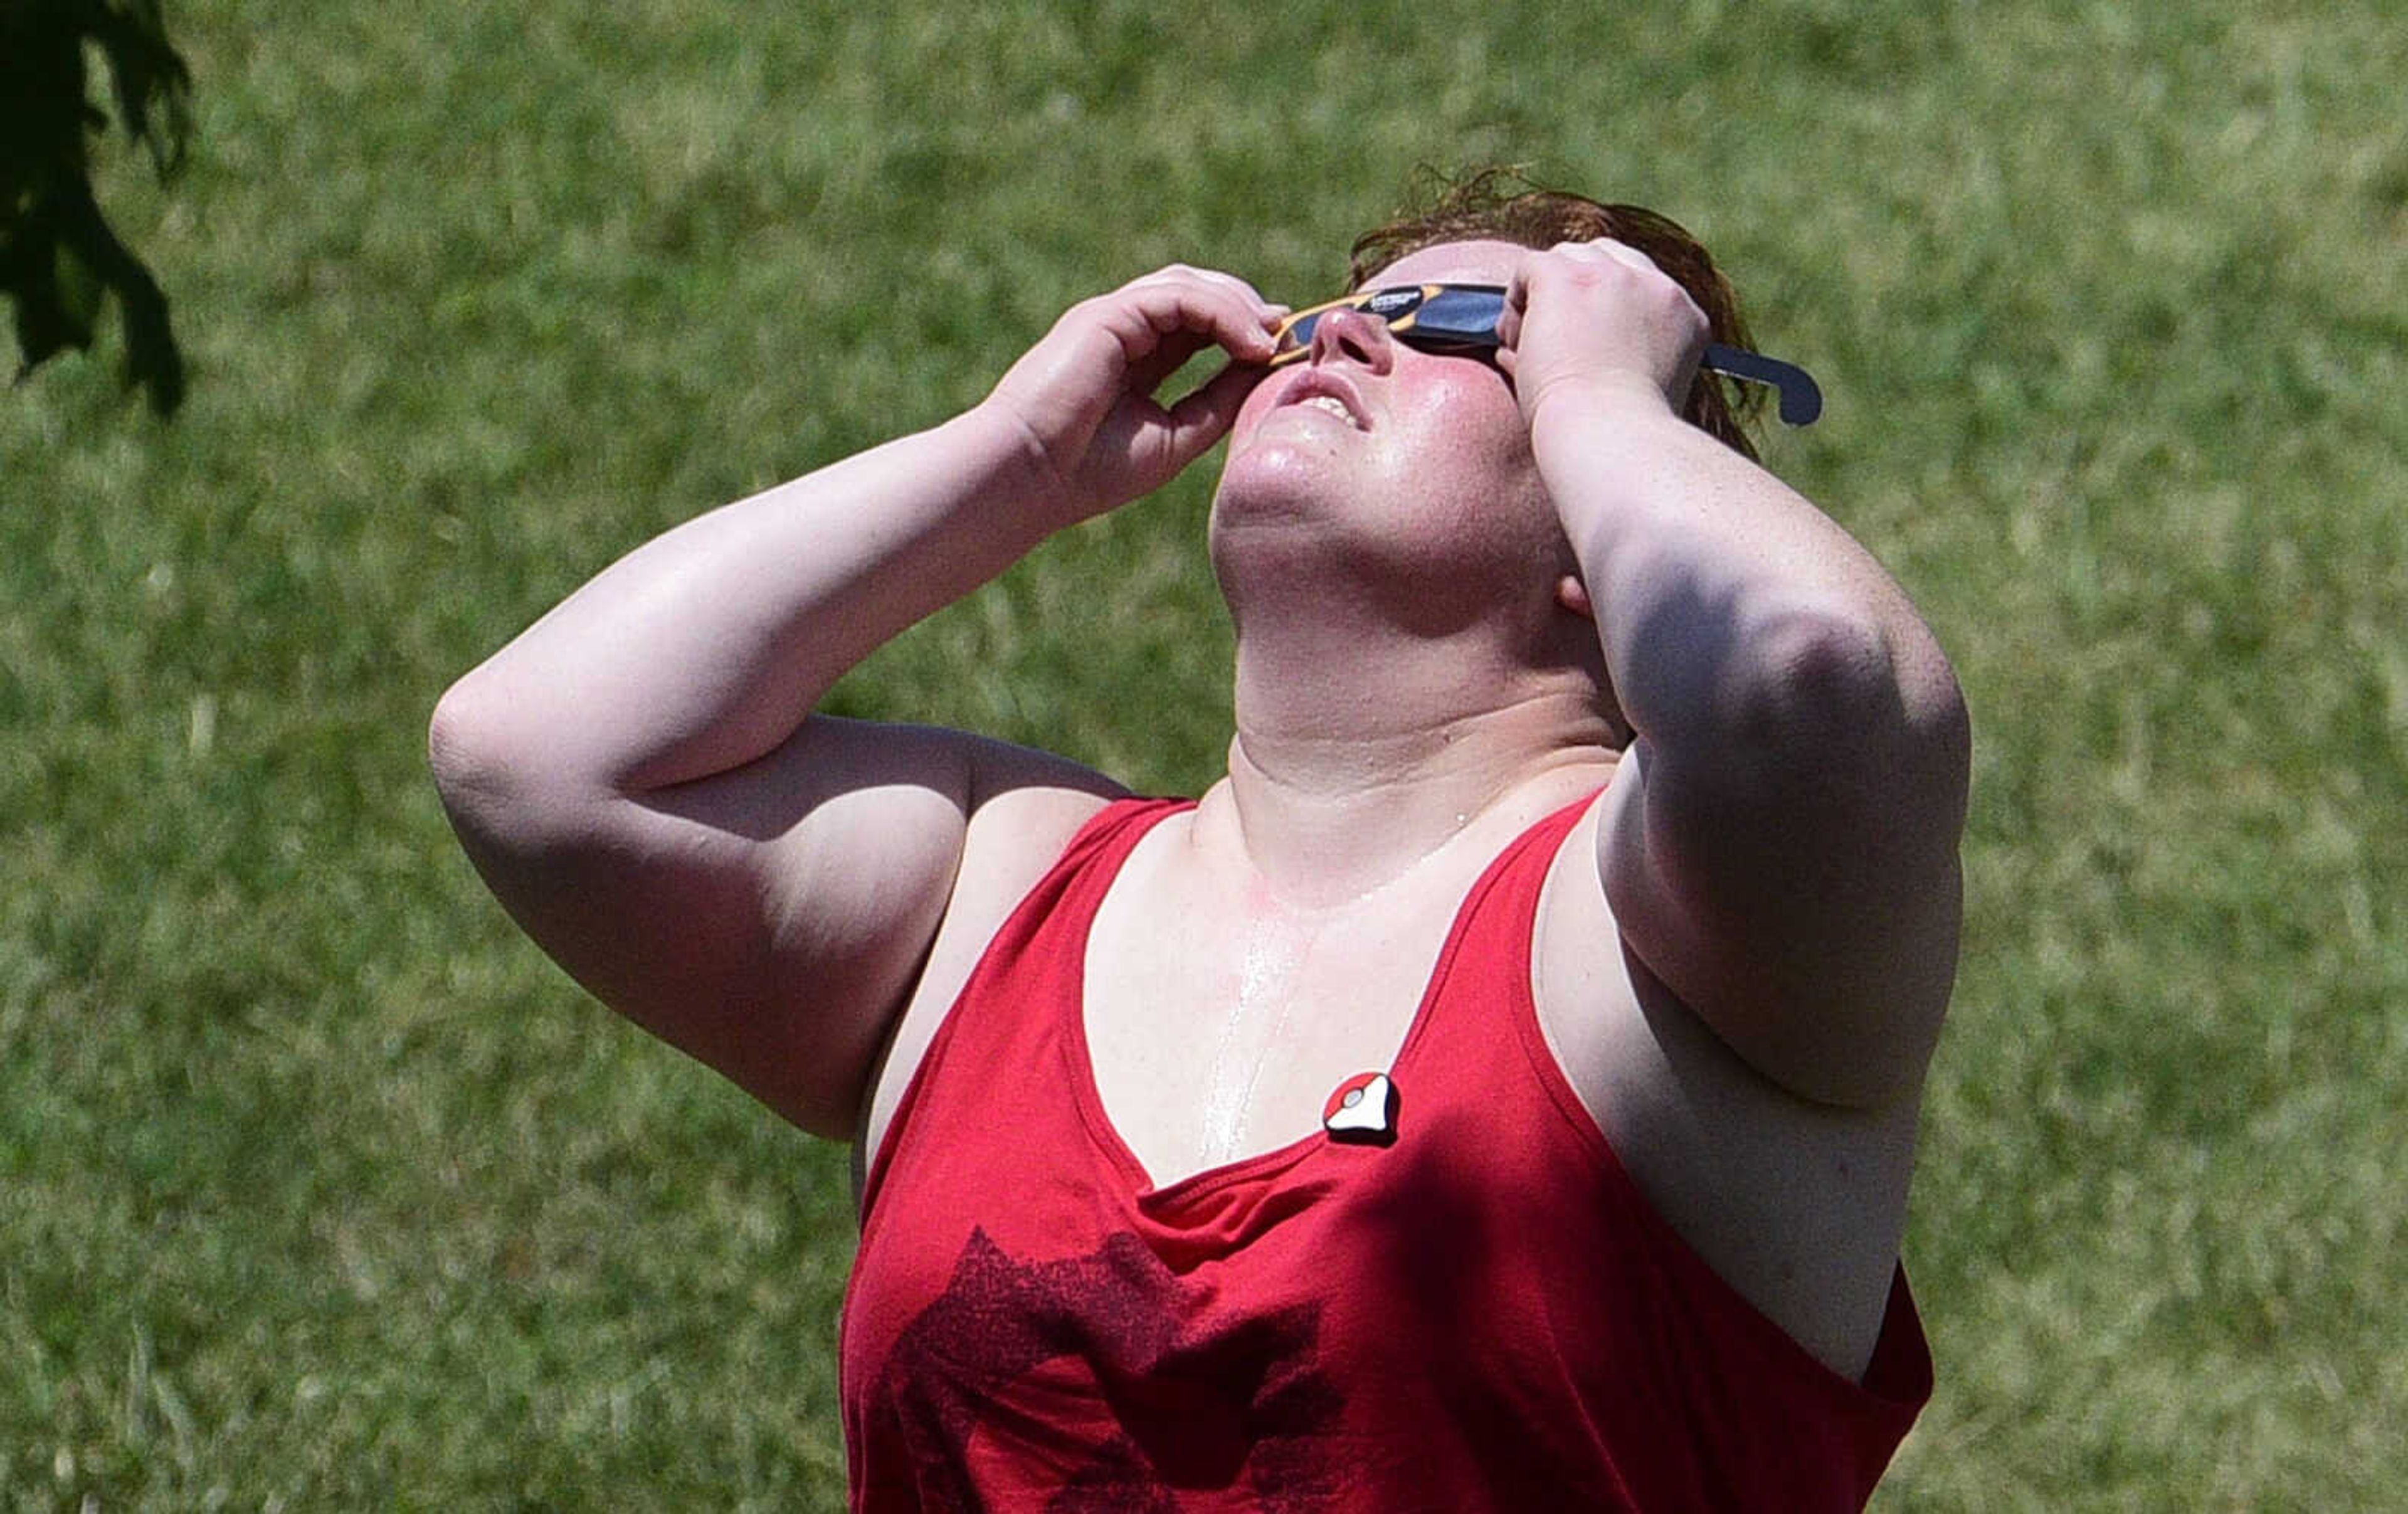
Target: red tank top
[1483,1315]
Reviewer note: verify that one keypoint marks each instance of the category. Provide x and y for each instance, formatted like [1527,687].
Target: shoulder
[1018,828]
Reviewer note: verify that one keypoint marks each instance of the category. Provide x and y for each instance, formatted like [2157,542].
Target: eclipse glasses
[1461,320]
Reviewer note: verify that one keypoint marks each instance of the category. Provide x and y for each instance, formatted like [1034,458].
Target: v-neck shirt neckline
[1163,1201]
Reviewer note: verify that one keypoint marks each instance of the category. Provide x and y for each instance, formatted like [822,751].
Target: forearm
[707,647]
[1722,595]
[1781,850]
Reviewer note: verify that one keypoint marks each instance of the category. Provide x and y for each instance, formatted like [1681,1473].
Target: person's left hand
[1601,319]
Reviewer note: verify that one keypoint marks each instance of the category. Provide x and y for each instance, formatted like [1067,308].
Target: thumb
[1204,417]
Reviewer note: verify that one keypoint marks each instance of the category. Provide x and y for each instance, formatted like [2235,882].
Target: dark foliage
[59,258]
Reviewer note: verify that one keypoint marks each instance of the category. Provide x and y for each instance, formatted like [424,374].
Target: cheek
[1474,430]
[1471,396]
[1487,503]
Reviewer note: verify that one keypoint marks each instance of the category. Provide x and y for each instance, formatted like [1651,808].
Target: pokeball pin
[1363,1111]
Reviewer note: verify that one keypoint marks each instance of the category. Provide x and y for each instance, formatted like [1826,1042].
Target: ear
[1572,594]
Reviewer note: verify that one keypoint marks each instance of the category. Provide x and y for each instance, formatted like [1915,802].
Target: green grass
[320,1189]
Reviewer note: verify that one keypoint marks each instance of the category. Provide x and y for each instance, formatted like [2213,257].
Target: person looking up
[1498,1091]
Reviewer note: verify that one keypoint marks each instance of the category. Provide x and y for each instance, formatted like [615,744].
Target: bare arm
[1779,844]
[640,777]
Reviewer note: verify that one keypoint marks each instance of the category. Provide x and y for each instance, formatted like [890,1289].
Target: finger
[1173,272]
[1205,416]
[1179,274]
[1625,253]
[1242,322]
[1227,308]
[1231,280]
[1593,249]
[1517,288]
[1192,315]
[1147,373]
[1149,446]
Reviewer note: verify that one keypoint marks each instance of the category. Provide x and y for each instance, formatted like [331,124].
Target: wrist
[1017,478]
[1611,404]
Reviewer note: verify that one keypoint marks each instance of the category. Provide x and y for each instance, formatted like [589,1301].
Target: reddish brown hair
[1499,204]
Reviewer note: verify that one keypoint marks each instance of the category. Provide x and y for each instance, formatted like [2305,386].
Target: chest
[1217,1026]
[1247,1341]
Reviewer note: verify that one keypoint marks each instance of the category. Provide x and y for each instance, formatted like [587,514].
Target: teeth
[1334,405]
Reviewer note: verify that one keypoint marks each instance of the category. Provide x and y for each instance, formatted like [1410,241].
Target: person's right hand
[1082,397]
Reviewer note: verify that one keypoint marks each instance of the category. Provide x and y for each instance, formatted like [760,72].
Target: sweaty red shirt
[1483,1314]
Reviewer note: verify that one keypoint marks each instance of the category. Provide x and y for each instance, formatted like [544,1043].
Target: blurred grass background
[320,1189]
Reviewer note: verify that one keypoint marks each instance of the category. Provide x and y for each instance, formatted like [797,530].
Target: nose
[1354,336]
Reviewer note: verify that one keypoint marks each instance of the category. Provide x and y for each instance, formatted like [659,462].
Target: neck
[1353,766]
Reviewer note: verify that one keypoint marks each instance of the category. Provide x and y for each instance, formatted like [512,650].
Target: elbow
[461,740]
[1849,684]
[486,772]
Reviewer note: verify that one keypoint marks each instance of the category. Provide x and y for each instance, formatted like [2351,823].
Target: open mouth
[1327,393]
[1334,406]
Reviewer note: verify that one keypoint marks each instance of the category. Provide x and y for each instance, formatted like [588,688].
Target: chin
[1278,524]
[1279,479]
